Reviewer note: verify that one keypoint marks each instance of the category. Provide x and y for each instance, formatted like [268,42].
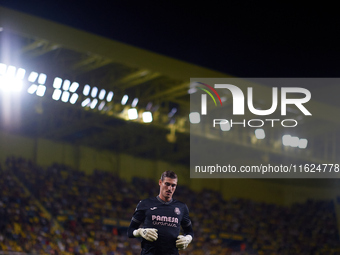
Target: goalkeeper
[162,218]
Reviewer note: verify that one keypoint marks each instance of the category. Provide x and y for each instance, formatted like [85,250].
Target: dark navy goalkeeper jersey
[167,218]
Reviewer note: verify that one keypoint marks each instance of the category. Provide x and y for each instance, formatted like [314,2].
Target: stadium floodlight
[10,84]
[11,71]
[18,79]
[3,68]
[74,98]
[147,117]
[74,87]
[101,106]
[132,113]
[172,112]
[94,92]
[32,89]
[93,103]
[124,99]
[20,74]
[41,90]
[86,102]
[65,96]
[66,85]
[303,143]
[33,76]
[225,126]
[42,78]
[194,117]
[102,94]
[17,85]
[56,94]
[260,134]
[294,142]
[192,91]
[286,140]
[148,106]
[3,83]
[11,78]
[86,90]
[57,83]
[134,102]
[109,96]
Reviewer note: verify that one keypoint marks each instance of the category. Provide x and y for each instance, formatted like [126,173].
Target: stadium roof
[57,50]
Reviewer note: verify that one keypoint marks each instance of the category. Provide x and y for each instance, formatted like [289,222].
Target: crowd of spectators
[92,212]
[23,226]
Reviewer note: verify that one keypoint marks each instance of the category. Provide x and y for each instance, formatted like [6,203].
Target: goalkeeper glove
[183,241]
[149,234]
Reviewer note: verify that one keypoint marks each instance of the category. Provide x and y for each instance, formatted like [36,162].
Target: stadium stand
[94,211]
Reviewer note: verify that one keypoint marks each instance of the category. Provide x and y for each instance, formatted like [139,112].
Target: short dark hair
[169,174]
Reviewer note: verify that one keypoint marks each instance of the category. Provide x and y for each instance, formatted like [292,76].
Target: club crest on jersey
[177,211]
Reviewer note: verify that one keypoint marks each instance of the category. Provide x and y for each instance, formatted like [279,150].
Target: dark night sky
[242,39]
